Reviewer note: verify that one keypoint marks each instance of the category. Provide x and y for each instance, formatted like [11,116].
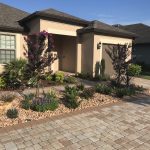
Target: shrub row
[15,75]
[117,91]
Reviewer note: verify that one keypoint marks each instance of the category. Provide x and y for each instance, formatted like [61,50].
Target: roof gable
[52,14]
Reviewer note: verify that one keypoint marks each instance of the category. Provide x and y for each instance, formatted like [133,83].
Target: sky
[108,11]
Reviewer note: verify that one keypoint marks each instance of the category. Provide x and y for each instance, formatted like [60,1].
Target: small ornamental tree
[120,55]
[38,53]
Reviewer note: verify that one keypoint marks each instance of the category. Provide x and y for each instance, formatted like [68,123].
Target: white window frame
[8,50]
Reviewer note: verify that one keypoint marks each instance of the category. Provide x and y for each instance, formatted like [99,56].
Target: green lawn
[145,75]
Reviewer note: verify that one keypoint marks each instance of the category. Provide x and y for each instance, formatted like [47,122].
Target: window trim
[15,46]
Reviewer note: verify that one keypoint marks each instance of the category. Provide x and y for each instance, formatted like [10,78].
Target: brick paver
[122,126]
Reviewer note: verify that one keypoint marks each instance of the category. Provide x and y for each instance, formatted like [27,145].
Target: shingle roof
[142,30]
[9,18]
[53,14]
[102,28]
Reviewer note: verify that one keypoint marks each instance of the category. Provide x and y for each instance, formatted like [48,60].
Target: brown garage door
[108,62]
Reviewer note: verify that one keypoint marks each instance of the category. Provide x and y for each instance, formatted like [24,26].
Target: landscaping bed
[87,99]
[29,115]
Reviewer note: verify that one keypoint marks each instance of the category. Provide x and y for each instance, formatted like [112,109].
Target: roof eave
[54,18]
[103,32]
[11,29]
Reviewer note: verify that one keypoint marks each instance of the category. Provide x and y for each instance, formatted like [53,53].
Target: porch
[65,48]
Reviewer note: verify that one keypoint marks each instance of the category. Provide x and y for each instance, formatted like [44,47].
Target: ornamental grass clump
[26,103]
[12,113]
[7,97]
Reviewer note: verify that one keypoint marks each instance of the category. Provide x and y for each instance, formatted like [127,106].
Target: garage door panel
[108,62]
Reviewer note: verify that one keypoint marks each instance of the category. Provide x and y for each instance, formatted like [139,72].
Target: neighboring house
[142,42]
[80,44]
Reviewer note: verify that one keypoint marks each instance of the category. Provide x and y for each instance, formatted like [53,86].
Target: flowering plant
[38,53]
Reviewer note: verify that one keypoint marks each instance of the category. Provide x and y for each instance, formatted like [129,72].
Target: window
[7,48]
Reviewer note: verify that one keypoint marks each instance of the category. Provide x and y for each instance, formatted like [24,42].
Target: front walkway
[120,126]
[86,83]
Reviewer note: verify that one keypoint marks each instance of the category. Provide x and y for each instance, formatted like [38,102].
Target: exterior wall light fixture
[99,45]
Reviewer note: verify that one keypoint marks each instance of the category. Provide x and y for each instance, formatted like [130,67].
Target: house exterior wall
[68,57]
[59,28]
[87,45]
[67,46]
[97,54]
[34,25]
[88,55]
[75,55]
[19,46]
[142,53]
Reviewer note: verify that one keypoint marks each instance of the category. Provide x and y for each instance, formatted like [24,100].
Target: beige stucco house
[79,43]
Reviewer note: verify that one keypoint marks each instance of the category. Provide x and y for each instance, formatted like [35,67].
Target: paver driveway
[118,126]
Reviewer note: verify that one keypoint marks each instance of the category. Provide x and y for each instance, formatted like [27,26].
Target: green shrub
[58,77]
[12,113]
[71,94]
[50,95]
[121,92]
[45,107]
[88,93]
[114,83]
[26,103]
[86,76]
[14,73]
[102,78]
[80,87]
[69,89]
[48,102]
[48,77]
[101,88]
[70,79]
[134,70]
[130,91]
[145,67]
[102,67]
[2,83]
[7,97]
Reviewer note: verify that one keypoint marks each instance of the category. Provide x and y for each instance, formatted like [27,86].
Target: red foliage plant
[39,54]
